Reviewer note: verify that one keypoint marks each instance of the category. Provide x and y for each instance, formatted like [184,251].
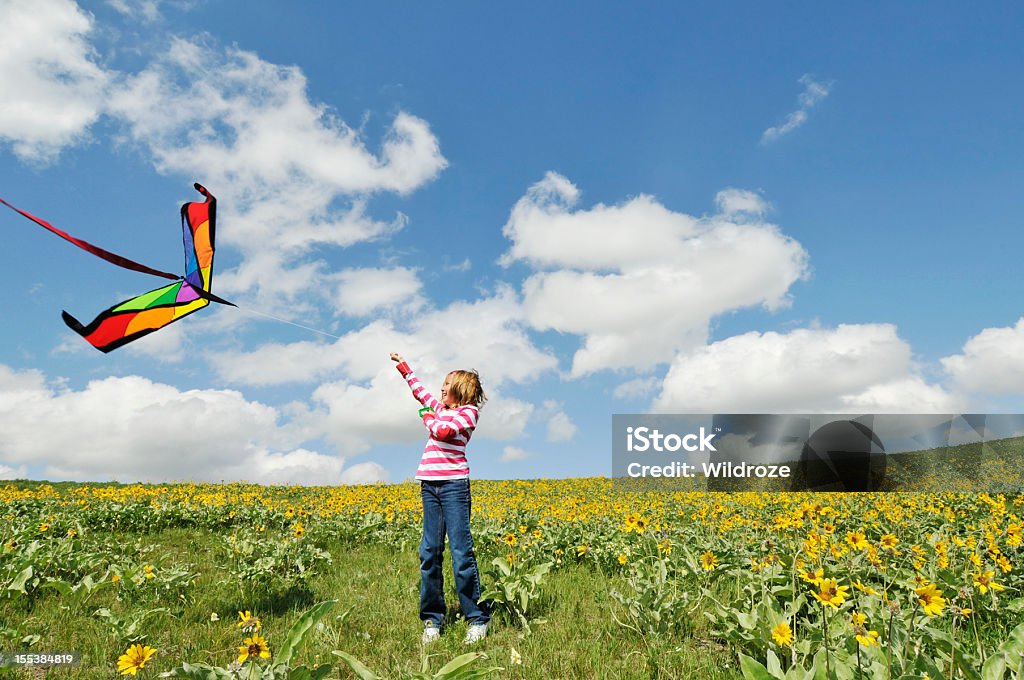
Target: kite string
[298,325]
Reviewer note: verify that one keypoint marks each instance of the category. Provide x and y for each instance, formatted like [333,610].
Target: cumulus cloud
[361,292]
[512,454]
[638,281]
[291,175]
[7,472]
[52,87]
[851,368]
[813,93]
[133,429]
[560,427]
[638,387]
[493,340]
[362,399]
[991,361]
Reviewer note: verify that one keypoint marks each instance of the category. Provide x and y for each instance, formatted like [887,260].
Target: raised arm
[418,390]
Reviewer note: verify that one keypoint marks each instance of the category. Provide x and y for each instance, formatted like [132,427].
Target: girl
[444,485]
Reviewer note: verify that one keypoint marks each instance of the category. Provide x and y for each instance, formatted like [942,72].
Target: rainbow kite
[139,316]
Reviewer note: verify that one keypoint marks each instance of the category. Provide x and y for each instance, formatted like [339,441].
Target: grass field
[589,581]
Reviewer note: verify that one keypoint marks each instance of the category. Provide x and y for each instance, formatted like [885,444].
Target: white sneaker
[476,633]
[431,633]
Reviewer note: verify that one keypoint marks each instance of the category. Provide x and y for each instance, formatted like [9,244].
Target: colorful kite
[139,316]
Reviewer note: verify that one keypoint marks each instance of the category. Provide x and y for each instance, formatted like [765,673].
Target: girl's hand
[396,357]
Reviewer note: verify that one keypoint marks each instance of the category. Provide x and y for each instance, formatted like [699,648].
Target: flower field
[245,581]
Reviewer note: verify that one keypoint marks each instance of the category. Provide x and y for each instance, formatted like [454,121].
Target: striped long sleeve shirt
[444,456]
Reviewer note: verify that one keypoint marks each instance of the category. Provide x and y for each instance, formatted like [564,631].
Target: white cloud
[132,429]
[52,87]
[365,402]
[991,361]
[7,472]
[513,454]
[356,417]
[560,426]
[638,387]
[735,203]
[463,266]
[487,334]
[361,292]
[147,11]
[813,93]
[852,368]
[638,281]
[290,174]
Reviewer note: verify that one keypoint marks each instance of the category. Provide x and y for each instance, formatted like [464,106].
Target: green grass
[376,620]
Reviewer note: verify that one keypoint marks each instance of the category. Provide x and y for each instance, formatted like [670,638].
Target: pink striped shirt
[444,456]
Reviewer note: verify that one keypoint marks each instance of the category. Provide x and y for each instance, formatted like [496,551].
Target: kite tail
[113,258]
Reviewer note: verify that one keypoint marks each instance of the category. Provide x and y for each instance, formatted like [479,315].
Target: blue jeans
[446,506]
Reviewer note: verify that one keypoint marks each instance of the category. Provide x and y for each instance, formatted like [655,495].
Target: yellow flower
[930,599]
[149,571]
[44,527]
[665,545]
[858,619]
[510,539]
[298,530]
[289,513]
[623,559]
[1014,535]
[867,638]
[708,560]
[813,577]
[857,539]
[867,590]
[255,647]
[983,580]
[830,592]
[582,550]
[134,658]
[115,578]
[248,622]
[783,635]
[635,522]
[888,541]
[1004,564]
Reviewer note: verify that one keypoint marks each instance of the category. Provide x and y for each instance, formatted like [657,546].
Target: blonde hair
[465,388]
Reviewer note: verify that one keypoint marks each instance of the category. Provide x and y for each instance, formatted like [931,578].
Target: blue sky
[713,207]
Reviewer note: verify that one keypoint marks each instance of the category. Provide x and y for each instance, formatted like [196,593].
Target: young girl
[444,485]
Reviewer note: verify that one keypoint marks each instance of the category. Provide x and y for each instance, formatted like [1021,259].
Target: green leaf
[1014,645]
[458,663]
[304,673]
[753,670]
[198,671]
[994,668]
[357,666]
[297,633]
[925,665]
[63,587]
[748,621]
[21,579]
[774,665]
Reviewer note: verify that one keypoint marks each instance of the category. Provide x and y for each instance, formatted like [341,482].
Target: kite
[149,312]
